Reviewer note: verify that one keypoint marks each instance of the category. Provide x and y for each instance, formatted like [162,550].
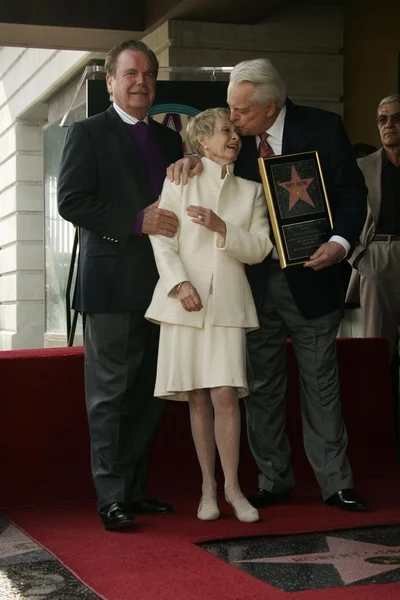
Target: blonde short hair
[204,124]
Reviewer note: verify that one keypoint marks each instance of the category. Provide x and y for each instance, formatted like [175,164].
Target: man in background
[376,258]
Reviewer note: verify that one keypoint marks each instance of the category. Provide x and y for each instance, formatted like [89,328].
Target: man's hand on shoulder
[327,255]
[157,221]
[184,168]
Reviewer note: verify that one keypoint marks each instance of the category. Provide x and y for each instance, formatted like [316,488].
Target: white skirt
[191,358]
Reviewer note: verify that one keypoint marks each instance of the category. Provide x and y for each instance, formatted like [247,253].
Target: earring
[206,147]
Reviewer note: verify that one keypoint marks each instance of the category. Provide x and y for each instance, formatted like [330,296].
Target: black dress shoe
[150,506]
[347,499]
[116,516]
[264,498]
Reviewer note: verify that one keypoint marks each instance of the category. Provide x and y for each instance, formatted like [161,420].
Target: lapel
[372,174]
[294,137]
[121,141]
[159,132]
[247,163]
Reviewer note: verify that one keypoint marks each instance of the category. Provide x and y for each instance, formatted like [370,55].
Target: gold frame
[271,204]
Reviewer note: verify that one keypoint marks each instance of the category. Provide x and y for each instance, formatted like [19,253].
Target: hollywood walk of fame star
[353,560]
[297,189]
[14,542]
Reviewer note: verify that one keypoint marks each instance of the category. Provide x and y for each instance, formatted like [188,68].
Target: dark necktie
[264,149]
[151,153]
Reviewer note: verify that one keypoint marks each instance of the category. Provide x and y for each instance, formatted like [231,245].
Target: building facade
[305,42]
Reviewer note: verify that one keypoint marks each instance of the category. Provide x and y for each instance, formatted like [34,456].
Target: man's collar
[276,130]
[386,162]
[126,117]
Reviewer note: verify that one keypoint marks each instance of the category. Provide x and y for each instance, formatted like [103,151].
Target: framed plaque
[298,206]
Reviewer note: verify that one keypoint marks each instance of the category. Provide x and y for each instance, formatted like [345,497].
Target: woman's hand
[184,168]
[207,218]
[189,297]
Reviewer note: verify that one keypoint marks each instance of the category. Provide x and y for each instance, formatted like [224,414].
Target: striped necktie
[264,149]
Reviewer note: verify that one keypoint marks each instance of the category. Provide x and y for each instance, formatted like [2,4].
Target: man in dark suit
[112,172]
[302,302]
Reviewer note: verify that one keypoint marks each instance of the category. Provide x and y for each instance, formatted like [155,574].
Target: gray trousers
[120,367]
[324,433]
[379,272]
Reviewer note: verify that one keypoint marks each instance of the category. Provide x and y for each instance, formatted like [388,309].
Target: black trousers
[120,369]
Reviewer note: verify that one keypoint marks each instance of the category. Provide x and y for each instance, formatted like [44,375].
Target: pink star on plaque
[297,189]
[353,560]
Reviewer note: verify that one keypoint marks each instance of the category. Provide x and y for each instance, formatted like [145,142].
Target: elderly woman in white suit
[204,303]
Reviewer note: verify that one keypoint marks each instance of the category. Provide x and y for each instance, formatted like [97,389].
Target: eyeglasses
[383,119]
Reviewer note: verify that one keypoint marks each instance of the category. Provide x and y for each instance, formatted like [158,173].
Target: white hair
[269,85]
[389,99]
[204,124]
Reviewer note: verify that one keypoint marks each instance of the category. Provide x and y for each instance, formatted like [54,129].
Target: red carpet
[44,446]
[158,561]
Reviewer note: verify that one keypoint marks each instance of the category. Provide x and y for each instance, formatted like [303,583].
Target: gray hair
[269,85]
[204,124]
[389,99]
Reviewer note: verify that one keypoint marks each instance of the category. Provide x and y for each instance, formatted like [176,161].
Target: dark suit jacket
[102,186]
[316,293]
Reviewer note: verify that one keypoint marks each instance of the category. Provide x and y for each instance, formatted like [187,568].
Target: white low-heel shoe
[244,511]
[208,510]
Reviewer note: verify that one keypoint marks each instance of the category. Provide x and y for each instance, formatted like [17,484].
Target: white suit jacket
[196,254]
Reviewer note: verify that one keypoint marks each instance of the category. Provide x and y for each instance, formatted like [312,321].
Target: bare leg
[227,436]
[202,424]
